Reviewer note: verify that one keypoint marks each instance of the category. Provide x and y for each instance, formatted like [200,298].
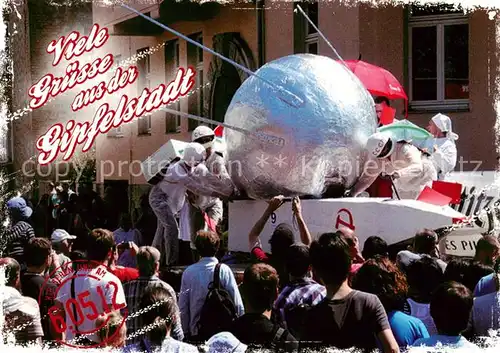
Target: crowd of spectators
[305,294]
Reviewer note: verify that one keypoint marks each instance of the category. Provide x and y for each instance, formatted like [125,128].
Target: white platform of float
[393,220]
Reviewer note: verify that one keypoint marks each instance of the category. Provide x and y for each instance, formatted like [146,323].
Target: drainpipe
[131,148]
[261,32]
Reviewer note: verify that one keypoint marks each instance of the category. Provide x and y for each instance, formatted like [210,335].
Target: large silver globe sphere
[321,135]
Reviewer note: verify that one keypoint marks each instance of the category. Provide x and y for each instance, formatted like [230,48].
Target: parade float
[298,126]
[322,131]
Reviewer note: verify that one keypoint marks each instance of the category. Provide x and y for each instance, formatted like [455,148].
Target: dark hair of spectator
[424,276]
[76,255]
[374,246]
[456,270]
[474,273]
[488,245]
[99,244]
[451,305]
[161,307]
[380,276]
[425,242]
[260,287]
[381,99]
[298,260]
[331,258]
[79,259]
[281,239]
[37,251]
[12,271]
[207,243]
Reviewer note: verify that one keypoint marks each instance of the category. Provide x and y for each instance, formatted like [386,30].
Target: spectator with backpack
[209,298]
[260,290]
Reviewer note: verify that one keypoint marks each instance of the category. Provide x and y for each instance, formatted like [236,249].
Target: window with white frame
[438,59]
[143,65]
[172,121]
[311,9]
[196,99]
[116,132]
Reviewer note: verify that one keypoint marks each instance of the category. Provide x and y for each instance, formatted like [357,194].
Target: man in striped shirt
[302,290]
[17,236]
[148,264]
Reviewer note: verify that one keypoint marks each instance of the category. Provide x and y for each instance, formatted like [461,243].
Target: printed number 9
[273,218]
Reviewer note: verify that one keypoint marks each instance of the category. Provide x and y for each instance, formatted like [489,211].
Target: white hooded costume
[444,157]
[168,197]
[411,171]
[192,219]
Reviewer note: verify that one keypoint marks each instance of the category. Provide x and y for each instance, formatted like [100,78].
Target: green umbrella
[406,131]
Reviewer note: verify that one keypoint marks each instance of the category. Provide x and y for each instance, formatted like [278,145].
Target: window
[172,121]
[143,65]
[438,59]
[311,9]
[196,100]
[116,132]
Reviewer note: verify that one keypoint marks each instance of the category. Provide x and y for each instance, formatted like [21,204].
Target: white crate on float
[163,156]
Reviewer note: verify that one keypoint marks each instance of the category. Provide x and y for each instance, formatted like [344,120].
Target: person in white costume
[444,154]
[401,160]
[168,196]
[192,215]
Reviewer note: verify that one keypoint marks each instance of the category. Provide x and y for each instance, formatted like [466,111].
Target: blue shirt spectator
[486,285]
[486,314]
[194,289]
[406,329]
[380,276]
